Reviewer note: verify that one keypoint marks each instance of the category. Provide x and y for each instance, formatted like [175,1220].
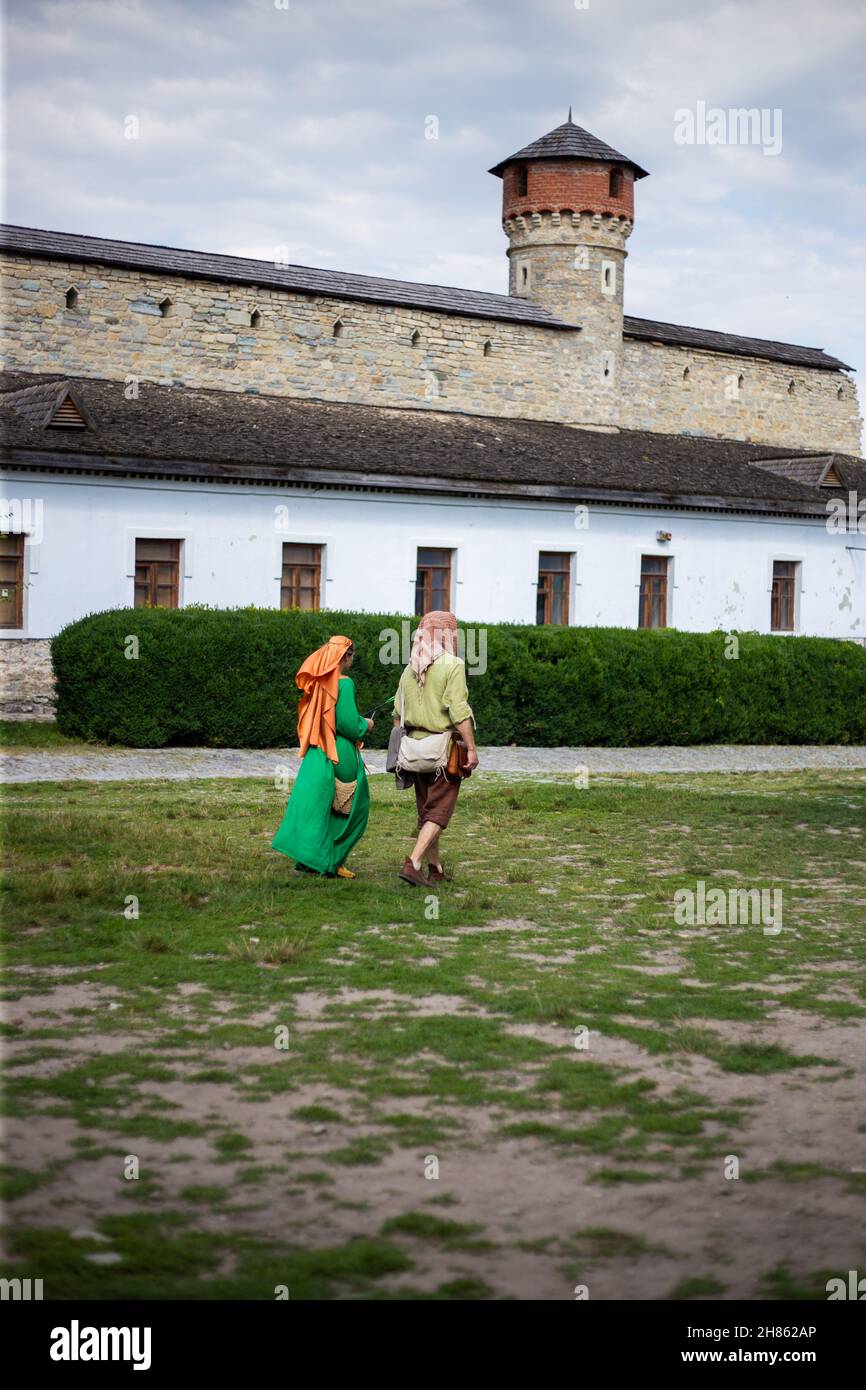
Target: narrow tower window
[615,183]
[488,347]
[522,180]
[338,329]
[687,371]
[72,297]
[165,307]
[840,394]
[255,319]
[415,339]
[741,381]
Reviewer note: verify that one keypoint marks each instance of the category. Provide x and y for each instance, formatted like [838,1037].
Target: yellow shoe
[343,872]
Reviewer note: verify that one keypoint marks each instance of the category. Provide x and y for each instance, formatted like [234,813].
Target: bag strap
[402,705]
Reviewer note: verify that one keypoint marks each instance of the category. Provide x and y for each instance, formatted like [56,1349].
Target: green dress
[311,833]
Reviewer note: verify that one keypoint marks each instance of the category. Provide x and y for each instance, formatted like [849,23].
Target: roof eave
[114,465]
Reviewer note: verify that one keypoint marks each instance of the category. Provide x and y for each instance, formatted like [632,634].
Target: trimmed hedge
[225,678]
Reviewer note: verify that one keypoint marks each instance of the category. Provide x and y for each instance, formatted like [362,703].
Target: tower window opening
[791,388]
[165,307]
[72,297]
[488,347]
[687,371]
[255,319]
[741,381]
[607,276]
[615,183]
[338,329]
[524,275]
[415,340]
[840,394]
[522,181]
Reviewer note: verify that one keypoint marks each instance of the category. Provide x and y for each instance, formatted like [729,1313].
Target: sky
[256,126]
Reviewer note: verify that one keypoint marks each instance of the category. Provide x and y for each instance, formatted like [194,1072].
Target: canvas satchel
[428,754]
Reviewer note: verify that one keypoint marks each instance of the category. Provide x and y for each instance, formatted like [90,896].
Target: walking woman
[330,801]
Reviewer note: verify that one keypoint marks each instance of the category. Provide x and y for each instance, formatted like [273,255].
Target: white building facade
[83,536]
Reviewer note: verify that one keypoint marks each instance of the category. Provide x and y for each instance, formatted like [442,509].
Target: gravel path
[179,764]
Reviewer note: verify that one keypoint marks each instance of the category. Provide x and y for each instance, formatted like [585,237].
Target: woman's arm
[350,724]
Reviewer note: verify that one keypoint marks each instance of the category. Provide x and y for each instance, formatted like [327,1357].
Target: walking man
[434,700]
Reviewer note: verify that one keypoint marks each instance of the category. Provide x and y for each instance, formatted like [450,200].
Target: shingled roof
[333,284]
[733,343]
[239,270]
[569,141]
[234,437]
[40,404]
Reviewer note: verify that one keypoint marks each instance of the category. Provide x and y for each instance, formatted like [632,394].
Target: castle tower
[567,210]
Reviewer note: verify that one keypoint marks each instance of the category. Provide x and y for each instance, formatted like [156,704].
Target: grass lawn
[225,1078]
[23,735]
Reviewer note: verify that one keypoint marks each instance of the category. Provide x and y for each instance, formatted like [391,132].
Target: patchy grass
[544,1003]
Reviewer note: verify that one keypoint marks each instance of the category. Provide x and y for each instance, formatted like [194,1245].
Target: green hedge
[225,678]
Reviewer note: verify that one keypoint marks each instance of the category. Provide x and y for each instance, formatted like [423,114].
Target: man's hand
[467,733]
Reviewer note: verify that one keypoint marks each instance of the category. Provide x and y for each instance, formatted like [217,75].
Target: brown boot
[435,873]
[410,874]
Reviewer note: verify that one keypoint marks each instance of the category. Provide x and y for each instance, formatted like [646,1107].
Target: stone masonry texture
[397,356]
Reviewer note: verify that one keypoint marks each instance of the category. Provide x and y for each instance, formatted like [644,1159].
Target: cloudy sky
[303,124]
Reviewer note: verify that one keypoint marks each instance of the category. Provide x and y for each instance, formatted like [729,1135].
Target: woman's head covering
[436,633]
[318,680]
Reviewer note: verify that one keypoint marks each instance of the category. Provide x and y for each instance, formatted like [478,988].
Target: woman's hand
[370,725]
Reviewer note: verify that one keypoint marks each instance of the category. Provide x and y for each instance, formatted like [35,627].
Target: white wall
[721,566]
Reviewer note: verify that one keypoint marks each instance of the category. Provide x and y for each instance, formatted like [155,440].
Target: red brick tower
[567,210]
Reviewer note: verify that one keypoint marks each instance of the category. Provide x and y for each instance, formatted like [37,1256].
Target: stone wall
[26,679]
[682,391]
[206,340]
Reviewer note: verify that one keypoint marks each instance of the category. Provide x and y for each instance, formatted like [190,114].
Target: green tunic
[311,833]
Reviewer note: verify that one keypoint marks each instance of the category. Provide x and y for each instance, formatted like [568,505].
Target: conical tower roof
[569,141]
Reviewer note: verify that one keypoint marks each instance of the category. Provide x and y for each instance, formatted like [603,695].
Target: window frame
[427,604]
[547,596]
[19,583]
[667,589]
[177,562]
[796,581]
[318,566]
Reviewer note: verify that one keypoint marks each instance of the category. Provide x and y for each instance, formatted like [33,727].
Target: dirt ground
[529,1195]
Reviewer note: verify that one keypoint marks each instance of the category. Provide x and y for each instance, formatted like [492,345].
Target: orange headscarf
[319,679]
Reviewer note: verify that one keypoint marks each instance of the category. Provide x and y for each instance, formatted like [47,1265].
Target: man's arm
[467,733]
